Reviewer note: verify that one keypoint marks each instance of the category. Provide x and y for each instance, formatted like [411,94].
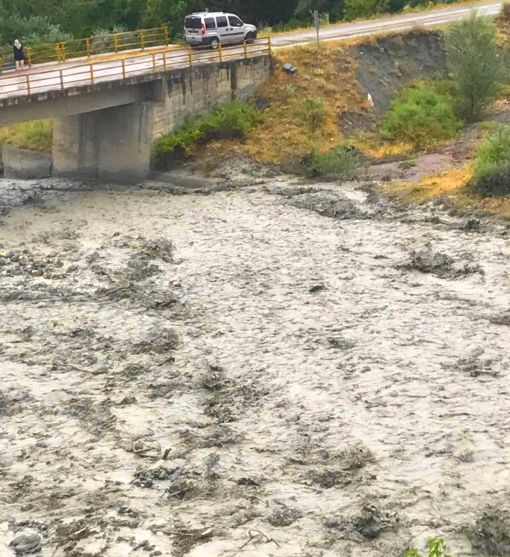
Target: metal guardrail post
[116,42]
[123,68]
[153,64]
[164,60]
[220,52]
[61,79]
[28,84]
[29,55]
[57,48]
[87,47]
[142,40]
[92,74]
[245,46]
[165,35]
[63,51]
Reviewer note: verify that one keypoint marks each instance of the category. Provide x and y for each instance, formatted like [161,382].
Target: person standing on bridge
[19,55]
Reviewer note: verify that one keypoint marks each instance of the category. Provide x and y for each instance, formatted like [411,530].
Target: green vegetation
[436,547]
[311,111]
[492,165]
[341,163]
[31,135]
[420,116]
[475,64]
[355,9]
[58,20]
[232,121]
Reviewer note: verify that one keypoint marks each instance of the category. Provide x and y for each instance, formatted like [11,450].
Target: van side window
[210,23]
[221,21]
[235,21]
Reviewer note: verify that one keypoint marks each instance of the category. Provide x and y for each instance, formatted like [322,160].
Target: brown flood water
[240,374]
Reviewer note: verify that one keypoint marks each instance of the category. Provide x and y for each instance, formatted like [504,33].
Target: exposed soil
[386,64]
[281,368]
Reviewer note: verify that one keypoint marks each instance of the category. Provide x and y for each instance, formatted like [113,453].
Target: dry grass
[448,185]
[373,146]
[329,75]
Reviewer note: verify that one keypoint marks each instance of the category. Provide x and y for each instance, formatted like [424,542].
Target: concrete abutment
[115,143]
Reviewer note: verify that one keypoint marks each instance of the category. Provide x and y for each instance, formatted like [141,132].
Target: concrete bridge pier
[113,144]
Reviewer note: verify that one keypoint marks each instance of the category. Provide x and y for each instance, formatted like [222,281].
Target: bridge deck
[79,73]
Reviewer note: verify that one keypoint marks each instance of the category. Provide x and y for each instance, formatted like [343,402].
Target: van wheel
[250,38]
[215,43]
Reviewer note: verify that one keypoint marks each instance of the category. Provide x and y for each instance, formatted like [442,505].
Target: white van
[213,28]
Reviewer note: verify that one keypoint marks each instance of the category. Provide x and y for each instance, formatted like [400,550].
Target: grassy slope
[31,135]
[283,134]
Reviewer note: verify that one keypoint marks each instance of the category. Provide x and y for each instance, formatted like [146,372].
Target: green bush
[492,165]
[436,547]
[341,163]
[311,111]
[293,23]
[37,134]
[233,120]
[355,9]
[475,63]
[420,116]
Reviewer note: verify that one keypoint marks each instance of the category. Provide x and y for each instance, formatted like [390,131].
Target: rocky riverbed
[262,367]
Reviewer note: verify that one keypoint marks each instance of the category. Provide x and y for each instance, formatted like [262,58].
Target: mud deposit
[279,369]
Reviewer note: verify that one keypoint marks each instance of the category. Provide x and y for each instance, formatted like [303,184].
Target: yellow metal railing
[88,47]
[123,67]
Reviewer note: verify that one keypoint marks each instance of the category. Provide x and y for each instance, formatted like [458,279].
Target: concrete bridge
[108,112]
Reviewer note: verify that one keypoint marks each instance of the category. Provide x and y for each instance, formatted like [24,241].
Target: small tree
[474,63]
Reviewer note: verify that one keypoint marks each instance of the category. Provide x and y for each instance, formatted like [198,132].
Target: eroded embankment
[284,369]
[339,77]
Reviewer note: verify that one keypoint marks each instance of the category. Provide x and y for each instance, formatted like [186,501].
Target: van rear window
[210,23]
[193,23]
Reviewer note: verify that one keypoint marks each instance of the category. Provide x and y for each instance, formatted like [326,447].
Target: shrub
[420,116]
[293,23]
[474,63]
[504,15]
[341,163]
[233,120]
[492,165]
[310,111]
[30,30]
[436,547]
[355,9]
[37,134]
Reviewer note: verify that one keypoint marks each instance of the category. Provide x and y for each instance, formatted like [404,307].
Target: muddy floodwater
[277,368]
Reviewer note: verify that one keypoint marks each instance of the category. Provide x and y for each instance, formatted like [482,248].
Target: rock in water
[25,544]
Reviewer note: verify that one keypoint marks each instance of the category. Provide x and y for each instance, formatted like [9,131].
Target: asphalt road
[76,73]
[431,18]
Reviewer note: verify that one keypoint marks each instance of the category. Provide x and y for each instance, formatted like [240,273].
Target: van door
[192,28]
[223,28]
[236,29]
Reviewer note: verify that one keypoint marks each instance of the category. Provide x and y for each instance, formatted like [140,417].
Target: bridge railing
[123,67]
[89,47]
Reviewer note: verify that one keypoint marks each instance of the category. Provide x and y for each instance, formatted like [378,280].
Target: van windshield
[193,23]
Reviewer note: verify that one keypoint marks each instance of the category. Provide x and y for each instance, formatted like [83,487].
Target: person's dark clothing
[19,53]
